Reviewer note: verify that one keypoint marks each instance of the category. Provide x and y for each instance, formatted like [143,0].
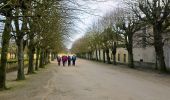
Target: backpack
[74,58]
[58,58]
[69,58]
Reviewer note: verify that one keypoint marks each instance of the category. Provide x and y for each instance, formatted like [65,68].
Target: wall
[146,57]
[143,57]
[122,52]
[144,54]
[167,54]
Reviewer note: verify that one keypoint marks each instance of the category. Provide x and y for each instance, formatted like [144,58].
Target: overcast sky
[96,9]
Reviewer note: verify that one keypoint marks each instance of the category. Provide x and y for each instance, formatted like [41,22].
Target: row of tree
[39,25]
[120,26]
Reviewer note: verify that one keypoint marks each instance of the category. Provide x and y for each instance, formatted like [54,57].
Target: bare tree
[7,12]
[157,14]
[128,25]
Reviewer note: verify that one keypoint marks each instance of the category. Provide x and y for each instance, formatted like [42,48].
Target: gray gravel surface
[88,81]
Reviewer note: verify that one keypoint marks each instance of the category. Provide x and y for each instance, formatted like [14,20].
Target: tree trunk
[104,60]
[107,56]
[31,60]
[55,55]
[4,52]
[130,58]
[88,55]
[96,55]
[99,55]
[91,55]
[41,65]
[20,43]
[129,46]
[46,57]
[20,75]
[158,44]
[156,63]
[37,58]
[114,53]
[114,59]
[52,56]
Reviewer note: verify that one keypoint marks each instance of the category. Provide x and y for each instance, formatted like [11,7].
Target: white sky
[97,9]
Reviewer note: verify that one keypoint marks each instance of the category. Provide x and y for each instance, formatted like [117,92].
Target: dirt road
[89,81]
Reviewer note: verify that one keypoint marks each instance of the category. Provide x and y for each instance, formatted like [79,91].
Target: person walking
[64,60]
[69,60]
[58,60]
[74,60]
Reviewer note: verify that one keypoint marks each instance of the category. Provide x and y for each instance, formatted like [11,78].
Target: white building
[145,55]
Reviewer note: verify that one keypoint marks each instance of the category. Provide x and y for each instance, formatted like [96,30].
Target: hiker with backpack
[69,60]
[58,60]
[64,60]
[74,59]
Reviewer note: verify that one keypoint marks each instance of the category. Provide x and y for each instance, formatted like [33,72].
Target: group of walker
[66,59]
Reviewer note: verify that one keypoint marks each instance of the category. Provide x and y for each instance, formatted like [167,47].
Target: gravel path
[88,81]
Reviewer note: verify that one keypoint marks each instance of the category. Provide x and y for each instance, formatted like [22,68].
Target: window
[141,60]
